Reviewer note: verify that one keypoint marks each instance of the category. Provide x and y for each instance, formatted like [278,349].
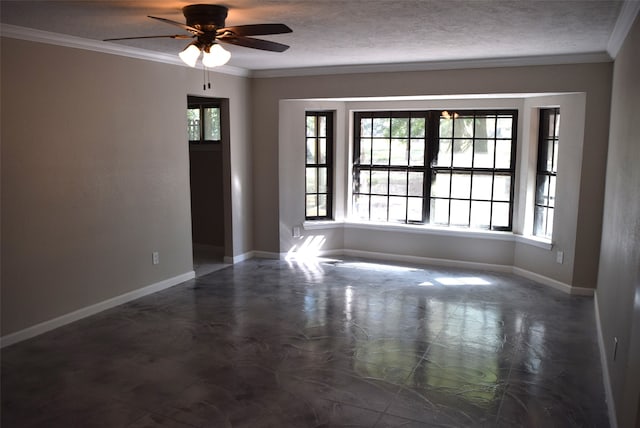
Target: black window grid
[547,168]
[316,167]
[430,169]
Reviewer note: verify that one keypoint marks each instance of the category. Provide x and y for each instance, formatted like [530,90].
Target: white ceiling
[350,32]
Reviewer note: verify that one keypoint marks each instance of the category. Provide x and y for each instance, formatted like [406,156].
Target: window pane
[397,209]
[364,183]
[503,153]
[322,205]
[440,211]
[542,190]
[311,126]
[459,213]
[554,166]
[480,214]
[549,163]
[502,188]
[312,184]
[557,128]
[398,183]
[211,124]
[380,152]
[446,127]
[399,152]
[549,228]
[418,127]
[485,127]
[193,124]
[379,208]
[552,191]
[322,150]
[440,186]
[381,127]
[540,221]
[365,127]
[462,153]
[361,206]
[463,127]
[504,125]
[379,182]
[417,152]
[444,153]
[365,151]
[414,209]
[322,126]
[322,180]
[460,186]
[416,183]
[400,127]
[482,186]
[500,214]
[311,150]
[483,154]
[312,206]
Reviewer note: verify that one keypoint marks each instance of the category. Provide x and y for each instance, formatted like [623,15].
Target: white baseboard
[54,323]
[240,257]
[575,291]
[606,379]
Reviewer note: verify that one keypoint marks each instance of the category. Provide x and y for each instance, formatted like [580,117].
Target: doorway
[208,124]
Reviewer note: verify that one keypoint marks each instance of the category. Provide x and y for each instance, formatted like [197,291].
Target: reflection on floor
[269,343]
[207,259]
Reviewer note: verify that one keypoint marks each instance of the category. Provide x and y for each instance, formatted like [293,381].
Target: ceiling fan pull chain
[208,78]
[204,85]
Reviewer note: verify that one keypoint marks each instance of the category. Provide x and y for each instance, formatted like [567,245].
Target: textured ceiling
[350,32]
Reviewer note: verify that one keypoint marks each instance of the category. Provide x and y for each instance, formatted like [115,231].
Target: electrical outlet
[560,256]
[155,258]
[296,231]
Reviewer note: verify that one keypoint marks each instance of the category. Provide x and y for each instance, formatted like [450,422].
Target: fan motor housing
[205,17]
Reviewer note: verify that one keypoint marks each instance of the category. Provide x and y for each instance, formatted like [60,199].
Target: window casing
[203,121]
[319,165]
[547,169]
[435,167]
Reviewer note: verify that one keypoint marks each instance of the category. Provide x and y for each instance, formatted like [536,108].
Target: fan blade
[256,29]
[179,24]
[175,36]
[249,42]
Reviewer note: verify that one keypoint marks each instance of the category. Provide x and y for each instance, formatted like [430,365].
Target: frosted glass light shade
[216,56]
[190,55]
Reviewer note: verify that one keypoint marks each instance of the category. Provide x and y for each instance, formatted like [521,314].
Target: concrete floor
[268,343]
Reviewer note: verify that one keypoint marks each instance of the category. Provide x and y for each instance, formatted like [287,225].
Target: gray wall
[594,80]
[618,293]
[95,176]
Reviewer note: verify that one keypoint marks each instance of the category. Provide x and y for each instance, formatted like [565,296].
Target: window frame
[328,164]
[202,104]
[546,137]
[430,169]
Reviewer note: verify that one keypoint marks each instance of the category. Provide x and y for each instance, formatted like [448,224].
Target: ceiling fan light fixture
[190,55]
[215,56]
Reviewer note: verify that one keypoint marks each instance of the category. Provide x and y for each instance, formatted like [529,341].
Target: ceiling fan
[205,23]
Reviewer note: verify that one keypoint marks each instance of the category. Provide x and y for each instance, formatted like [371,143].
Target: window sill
[431,230]
[534,241]
[409,228]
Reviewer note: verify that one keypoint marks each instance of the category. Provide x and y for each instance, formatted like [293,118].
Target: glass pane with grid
[389,167]
[473,170]
[318,165]
[548,143]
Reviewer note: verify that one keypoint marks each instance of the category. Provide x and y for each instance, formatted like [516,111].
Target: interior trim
[39,36]
[626,17]
[606,378]
[87,311]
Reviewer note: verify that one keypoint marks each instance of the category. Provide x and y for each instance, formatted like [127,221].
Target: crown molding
[582,58]
[39,36]
[627,16]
